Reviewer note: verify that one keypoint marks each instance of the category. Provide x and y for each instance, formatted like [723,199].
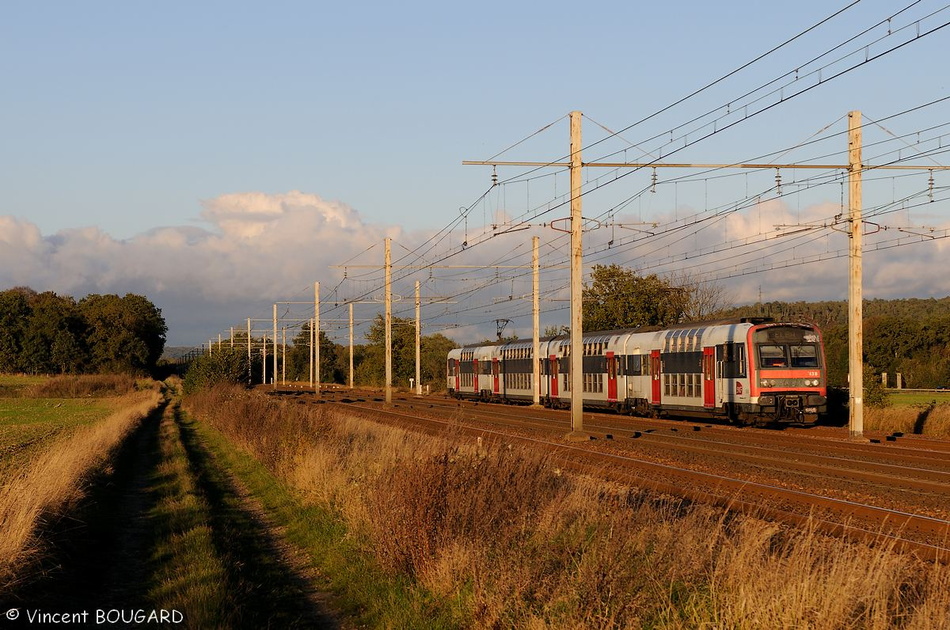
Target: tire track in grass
[265,589]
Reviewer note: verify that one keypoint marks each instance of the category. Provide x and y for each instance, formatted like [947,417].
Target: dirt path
[268,573]
[103,555]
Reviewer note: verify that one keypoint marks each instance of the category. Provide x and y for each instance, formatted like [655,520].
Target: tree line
[231,364]
[46,333]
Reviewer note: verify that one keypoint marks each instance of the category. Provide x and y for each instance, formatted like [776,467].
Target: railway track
[889,493]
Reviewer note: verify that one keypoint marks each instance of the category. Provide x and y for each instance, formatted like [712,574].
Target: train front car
[787,380]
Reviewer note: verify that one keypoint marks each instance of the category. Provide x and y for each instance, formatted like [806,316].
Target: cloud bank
[258,248]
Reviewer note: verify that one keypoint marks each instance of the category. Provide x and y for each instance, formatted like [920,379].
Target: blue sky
[131,117]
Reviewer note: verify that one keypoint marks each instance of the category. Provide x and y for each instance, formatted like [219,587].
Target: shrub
[223,366]
[91,386]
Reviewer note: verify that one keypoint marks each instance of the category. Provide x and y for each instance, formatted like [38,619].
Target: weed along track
[897,497]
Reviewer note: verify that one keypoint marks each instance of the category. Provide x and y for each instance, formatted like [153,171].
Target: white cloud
[259,248]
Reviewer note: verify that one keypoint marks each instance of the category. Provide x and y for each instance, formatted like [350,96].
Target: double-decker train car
[749,371]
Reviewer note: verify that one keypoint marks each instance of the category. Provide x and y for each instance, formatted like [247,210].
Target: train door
[495,371]
[475,376]
[458,374]
[709,377]
[553,373]
[611,376]
[655,365]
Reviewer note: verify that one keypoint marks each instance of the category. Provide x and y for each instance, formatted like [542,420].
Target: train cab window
[804,356]
[772,356]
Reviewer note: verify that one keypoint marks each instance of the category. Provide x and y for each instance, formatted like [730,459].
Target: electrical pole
[855,296]
[264,361]
[351,345]
[389,322]
[418,344]
[283,358]
[577,276]
[536,319]
[316,336]
[275,346]
[250,376]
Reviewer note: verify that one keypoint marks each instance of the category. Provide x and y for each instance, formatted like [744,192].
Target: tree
[619,298]
[705,297]
[14,313]
[126,334]
[433,351]
[55,335]
[298,358]
[223,365]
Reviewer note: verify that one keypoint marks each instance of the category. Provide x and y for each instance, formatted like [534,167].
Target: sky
[219,157]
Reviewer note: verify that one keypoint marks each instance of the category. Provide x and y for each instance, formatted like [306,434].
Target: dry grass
[56,479]
[500,535]
[87,386]
[931,420]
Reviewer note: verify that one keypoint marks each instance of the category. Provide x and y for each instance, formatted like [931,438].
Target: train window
[804,356]
[772,356]
[633,365]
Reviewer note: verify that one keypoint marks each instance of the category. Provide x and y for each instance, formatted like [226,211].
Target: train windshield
[787,348]
[783,356]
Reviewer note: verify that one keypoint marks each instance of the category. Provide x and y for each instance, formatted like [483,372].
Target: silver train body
[749,371]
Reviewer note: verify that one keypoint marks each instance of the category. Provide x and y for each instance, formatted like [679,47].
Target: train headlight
[812,383]
[767,383]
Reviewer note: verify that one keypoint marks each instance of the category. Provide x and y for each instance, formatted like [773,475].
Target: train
[750,371]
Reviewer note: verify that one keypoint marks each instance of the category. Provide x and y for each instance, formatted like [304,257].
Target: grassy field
[917,413]
[59,470]
[14,384]
[905,397]
[37,410]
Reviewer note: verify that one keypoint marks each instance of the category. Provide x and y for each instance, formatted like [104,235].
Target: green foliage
[433,349]
[45,333]
[126,334]
[298,358]
[874,393]
[223,365]
[619,298]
